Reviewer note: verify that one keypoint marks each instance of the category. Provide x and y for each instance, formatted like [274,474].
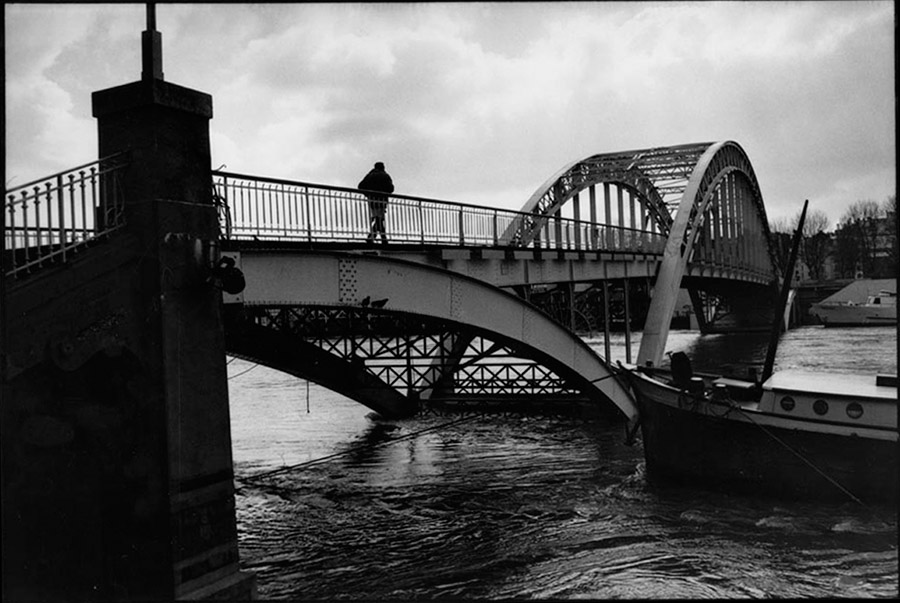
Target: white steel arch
[721,202]
[656,177]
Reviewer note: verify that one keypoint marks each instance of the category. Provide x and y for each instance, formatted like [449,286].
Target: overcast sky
[481,102]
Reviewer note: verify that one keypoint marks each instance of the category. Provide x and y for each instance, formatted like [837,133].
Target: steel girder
[449,305]
[720,208]
[414,355]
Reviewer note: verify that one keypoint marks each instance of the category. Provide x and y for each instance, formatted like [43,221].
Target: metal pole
[62,215]
[627,322]
[782,299]
[606,319]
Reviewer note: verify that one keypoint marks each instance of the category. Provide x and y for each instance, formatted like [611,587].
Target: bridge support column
[117,466]
[169,210]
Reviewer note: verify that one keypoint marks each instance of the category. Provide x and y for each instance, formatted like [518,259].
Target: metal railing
[271,209]
[49,218]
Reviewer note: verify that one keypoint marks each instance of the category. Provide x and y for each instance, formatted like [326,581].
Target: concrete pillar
[116,446]
[181,350]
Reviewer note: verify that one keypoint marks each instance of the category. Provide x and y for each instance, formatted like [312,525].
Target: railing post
[62,216]
[421,221]
[25,242]
[226,203]
[12,231]
[98,203]
[496,242]
[557,230]
[38,235]
[308,214]
[72,206]
[462,239]
[49,218]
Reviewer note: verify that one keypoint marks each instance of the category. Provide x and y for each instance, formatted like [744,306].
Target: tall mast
[782,299]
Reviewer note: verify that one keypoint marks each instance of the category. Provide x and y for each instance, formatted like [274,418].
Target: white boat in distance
[880,309]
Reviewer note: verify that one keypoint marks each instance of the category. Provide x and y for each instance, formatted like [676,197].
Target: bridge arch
[652,177]
[348,284]
[720,213]
[703,197]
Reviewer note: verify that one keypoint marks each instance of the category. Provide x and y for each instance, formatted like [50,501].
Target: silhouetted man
[377,185]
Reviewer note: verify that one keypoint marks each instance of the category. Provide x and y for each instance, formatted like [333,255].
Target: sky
[481,102]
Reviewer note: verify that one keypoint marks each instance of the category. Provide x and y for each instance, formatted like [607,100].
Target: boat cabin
[867,401]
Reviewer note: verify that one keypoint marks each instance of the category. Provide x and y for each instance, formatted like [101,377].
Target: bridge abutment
[117,466]
[168,208]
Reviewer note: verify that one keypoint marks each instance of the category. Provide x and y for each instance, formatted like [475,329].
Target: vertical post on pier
[151,47]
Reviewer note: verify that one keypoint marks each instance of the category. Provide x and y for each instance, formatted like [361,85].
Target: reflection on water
[505,506]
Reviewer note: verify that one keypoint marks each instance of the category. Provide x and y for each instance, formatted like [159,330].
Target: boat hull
[855,316]
[689,448]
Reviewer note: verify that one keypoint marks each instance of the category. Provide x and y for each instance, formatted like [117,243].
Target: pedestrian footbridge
[450,307]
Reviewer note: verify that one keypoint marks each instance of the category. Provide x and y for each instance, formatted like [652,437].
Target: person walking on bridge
[377,185]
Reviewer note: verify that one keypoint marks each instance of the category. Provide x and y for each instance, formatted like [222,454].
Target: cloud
[482,102]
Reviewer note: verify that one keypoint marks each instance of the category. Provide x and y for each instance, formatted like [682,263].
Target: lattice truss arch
[720,220]
[727,223]
[736,232]
[418,356]
[655,177]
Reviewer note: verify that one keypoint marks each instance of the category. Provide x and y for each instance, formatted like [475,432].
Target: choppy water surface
[502,506]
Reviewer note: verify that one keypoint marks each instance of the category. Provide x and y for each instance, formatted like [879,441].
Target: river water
[536,507]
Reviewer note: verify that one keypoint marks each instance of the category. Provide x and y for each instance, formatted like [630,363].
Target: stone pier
[116,445]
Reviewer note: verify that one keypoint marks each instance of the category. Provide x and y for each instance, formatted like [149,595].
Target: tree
[857,237]
[781,232]
[816,243]
[890,210]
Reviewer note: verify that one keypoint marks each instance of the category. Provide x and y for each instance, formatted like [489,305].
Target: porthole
[787,403]
[854,410]
[820,406]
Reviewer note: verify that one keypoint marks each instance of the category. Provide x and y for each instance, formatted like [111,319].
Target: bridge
[128,279]
[454,289]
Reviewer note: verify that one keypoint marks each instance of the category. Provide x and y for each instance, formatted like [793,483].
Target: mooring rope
[805,460]
[303,465]
[243,372]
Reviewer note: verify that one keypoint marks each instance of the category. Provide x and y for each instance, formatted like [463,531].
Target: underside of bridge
[392,334]
[398,364]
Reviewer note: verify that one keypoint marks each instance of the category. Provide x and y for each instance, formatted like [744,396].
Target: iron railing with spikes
[50,218]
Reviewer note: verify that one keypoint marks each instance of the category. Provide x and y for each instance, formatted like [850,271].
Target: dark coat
[379,181]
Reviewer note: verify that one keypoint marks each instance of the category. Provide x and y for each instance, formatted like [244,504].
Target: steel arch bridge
[688,215]
[703,197]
